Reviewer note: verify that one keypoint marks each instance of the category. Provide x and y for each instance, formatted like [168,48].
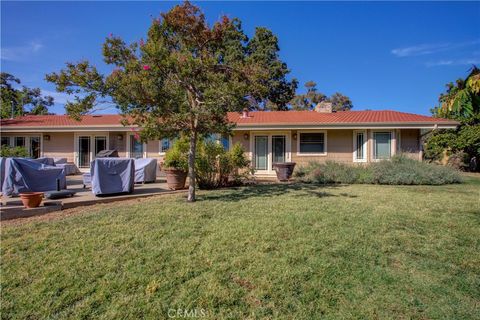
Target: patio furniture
[23,175]
[59,194]
[145,170]
[107,154]
[69,168]
[58,161]
[87,179]
[112,176]
[44,160]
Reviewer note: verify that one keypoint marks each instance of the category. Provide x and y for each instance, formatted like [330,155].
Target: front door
[269,149]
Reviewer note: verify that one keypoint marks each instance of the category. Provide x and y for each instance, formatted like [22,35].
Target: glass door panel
[34,147]
[136,148]
[100,144]
[278,149]
[84,152]
[261,152]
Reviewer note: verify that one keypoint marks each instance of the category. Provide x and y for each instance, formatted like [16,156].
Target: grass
[270,251]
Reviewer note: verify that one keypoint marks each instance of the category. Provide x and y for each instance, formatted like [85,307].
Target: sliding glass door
[261,152]
[87,147]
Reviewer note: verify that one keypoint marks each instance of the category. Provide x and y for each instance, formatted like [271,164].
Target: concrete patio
[12,208]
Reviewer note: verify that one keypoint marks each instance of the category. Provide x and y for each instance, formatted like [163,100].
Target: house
[267,136]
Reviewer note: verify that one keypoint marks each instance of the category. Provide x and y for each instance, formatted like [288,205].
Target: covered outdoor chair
[145,170]
[24,175]
[44,160]
[112,176]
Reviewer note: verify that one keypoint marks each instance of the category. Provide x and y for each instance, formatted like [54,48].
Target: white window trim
[269,134]
[392,144]
[365,146]
[312,154]
[92,136]
[129,136]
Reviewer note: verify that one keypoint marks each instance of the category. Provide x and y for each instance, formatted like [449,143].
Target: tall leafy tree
[312,97]
[460,102]
[263,49]
[20,101]
[183,78]
[340,102]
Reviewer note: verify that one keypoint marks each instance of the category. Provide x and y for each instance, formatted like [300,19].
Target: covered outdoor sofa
[25,175]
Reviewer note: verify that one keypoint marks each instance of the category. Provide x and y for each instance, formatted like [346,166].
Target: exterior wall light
[294,136]
[46,137]
[246,136]
[120,137]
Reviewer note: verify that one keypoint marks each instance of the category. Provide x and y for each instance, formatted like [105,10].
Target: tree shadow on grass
[272,190]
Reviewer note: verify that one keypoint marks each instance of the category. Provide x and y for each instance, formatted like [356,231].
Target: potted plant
[284,170]
[176,165]
[31,199]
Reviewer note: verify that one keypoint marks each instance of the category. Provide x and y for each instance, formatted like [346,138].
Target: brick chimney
[324,107]
[245,113]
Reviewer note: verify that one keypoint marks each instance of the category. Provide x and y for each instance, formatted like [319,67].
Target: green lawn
[270,251]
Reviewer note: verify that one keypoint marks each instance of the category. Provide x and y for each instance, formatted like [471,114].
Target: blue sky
[383,55]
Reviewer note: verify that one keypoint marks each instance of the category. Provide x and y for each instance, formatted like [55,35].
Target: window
[5,141]
[136,148]
[100,144]
[165,144]
[19,141]
[359,146]
[225,141]
[312,143]
[382,145]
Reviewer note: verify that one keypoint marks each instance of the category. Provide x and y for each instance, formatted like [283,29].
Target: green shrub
[217,167]
[177,156]
[7,151]
[400,170]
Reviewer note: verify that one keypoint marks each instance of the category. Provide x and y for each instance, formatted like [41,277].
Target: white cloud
[59,97]
[419,50]
[21,53]
[430,48]
[456,62]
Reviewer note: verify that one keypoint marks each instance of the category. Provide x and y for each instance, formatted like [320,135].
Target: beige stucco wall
[117,143]
[339,148]
[340,144]
[60,145]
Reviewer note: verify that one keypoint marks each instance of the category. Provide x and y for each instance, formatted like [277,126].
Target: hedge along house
[267,136]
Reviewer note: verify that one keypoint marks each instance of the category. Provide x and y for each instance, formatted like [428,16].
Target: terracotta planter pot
[284,170]
[31,199]
[176,178]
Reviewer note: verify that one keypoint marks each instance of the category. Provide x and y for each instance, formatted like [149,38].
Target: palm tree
[462,99]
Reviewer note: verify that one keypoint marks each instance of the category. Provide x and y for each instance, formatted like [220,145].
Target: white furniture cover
[112,175]
[24,175]
[145,170]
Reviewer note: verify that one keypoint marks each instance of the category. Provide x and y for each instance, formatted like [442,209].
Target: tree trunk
[191,166]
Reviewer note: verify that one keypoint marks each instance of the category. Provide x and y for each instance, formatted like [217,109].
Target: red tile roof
[255,118]
[341,117]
